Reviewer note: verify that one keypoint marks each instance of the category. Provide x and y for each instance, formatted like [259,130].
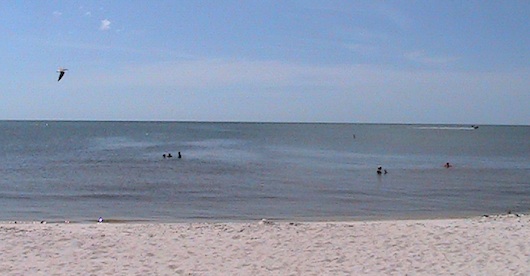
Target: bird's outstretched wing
[61,74]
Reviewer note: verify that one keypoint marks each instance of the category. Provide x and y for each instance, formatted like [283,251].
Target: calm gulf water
[239,171]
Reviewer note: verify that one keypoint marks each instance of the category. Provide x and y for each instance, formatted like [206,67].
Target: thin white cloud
[366,93]
[157,52]
[105,25]
[57,13]
[379,10]
[392,13]
[378,92]
[423,58]
[362,49]
[261,76]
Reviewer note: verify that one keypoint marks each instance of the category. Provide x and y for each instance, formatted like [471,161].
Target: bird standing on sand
[61,72]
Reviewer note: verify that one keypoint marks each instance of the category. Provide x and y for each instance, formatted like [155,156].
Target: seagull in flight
[61,72]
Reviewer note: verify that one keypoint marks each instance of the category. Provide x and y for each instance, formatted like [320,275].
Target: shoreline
[491,245]
[276,220]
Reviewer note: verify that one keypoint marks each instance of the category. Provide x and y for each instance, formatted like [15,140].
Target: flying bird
[61,72]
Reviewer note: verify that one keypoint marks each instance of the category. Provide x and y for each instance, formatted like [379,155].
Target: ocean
[80,171]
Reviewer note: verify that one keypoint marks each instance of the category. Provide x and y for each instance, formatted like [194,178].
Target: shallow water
[239,171]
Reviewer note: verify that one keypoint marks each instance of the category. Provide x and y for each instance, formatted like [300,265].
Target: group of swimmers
[169,155]
[381,171]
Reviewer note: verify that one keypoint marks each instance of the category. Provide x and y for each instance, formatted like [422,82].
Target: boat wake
[447,127]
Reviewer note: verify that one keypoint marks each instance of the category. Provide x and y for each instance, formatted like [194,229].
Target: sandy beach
[493,245]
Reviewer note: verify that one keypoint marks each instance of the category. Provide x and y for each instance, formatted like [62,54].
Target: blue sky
[461,62]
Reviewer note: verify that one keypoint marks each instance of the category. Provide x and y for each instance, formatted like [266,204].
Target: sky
[425,62]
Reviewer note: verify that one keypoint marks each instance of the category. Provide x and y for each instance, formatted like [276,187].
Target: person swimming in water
[448,165]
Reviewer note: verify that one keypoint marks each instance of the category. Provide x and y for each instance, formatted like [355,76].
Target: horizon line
[256,122]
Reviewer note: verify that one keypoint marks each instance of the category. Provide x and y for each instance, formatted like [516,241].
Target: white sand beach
[494,245]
